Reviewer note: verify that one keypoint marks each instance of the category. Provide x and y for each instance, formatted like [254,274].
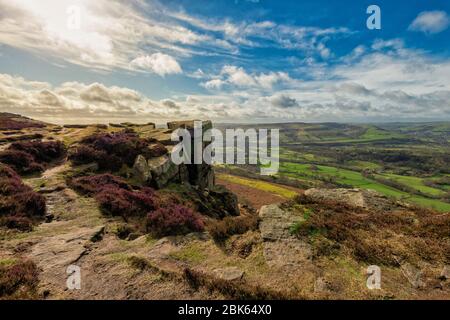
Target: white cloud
[159,63]
[234,76]
[430,22]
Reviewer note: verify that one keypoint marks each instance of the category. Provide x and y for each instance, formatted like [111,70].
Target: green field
[355,179]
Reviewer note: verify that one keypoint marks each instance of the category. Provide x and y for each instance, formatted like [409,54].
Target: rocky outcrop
[159,170]
[281,248]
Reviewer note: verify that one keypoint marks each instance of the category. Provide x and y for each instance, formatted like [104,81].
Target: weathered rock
[56,253]
[229,273]
[321,286]
[224,200]
[163,170]
[280,247]
[445,274]
[413,275]
[351,197]
[141,169]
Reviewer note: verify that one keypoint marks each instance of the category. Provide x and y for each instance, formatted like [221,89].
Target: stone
[321,286]
[445,274]
[368,199]
[229,273]
[413,275]
[280,247]
[141,169]
[163,171]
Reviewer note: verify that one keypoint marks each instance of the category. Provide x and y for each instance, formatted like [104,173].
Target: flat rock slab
[65,249]
[229,273]
[280,248]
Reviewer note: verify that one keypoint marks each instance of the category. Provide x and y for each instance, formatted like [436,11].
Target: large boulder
[163,171]
[141,169]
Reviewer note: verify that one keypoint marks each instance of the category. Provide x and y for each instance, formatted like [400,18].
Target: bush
[173,220]
[32,156]
[19,280]
[94,184]
[221,230]
[115,196]
[21,161]
[111,150]
[11,124]
[120,202]
[421,234]
[19,204]
[42,152]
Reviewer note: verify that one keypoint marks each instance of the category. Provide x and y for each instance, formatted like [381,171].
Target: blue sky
[231,61]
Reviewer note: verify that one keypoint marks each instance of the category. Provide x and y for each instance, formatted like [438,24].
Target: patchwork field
[409,162]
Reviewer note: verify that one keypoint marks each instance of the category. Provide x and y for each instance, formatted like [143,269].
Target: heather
[173,220]
[20,206]
[414,235]
[111,150]
[32,156]
[11,124]
[117,198]
[19,280]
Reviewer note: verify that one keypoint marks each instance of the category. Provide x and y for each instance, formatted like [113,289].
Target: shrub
[93,184]
[19,204]
[19,280]
[11,124]
[367,234]
[157,149]
[21,161]
[32,156]
[221,230]
[173,220]
[125,203]
[115,196]
[111,150]
[42,152]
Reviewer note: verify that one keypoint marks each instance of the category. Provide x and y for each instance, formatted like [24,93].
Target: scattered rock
[445,274]
[321,286]
[229,273]
[413,275]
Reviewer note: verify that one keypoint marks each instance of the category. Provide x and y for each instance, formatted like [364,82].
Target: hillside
[401,160]
[107,199]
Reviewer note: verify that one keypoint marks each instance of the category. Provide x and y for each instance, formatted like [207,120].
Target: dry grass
[377,237]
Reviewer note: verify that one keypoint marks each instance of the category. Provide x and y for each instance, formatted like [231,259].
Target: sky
[235,61]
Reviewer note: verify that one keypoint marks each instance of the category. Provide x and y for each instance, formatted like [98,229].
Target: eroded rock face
[282,249]
[141,169]
[158,170]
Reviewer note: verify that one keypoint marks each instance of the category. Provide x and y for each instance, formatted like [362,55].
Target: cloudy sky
[82,61]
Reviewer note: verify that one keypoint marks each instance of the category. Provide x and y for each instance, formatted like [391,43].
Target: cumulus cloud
[283,101]
[234,76]
[159,63]
[430,22]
